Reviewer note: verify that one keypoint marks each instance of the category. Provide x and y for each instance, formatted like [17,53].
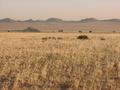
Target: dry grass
[27,62]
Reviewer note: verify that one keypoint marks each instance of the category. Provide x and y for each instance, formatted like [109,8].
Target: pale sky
[64,9]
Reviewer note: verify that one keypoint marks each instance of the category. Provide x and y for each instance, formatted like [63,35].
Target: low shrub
[53,38]
[90,31]
[46,38]
[82,37]
[80,31]
[60,30]
[102,38]
[59,38]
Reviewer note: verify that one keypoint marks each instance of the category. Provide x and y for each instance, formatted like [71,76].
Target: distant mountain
[29,29]
[12,21]
[54,20]
[29,20]
[89,20]
[111,20]
[7,20]
[57,20]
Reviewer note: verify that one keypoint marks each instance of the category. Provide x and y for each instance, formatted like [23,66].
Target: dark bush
[102,38]
[49,38]
[44,38]
[80,31]
[114,31]
[59,38]
[90,31]
[53,38]
[65,86]
[60,30]
[82,37]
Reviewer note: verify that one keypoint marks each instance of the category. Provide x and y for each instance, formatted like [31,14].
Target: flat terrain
[59,61]
[67,27]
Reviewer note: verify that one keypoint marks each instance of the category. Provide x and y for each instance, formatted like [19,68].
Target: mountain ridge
[57,20]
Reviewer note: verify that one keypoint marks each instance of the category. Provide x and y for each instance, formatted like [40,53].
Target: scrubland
[67,27]
[59,61]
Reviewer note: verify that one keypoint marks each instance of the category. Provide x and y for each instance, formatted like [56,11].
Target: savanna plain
[59,61]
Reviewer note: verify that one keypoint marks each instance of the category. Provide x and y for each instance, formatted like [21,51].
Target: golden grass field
[59,61]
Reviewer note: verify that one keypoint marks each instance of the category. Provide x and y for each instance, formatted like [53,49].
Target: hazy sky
[64,9]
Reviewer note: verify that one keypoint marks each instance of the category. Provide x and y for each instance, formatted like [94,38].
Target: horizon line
[58,18]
